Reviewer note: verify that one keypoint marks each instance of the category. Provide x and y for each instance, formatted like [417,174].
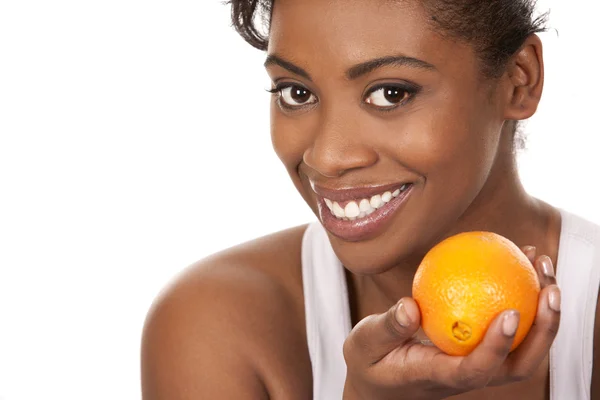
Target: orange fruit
[465,281]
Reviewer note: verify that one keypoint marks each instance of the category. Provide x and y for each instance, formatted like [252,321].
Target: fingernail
[547,267]
[510,323]
[401,315]
[554,299]
[529,251]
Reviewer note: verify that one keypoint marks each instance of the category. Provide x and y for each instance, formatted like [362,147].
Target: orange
[466,281]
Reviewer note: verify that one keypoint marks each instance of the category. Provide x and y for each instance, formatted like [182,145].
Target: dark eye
[387,96]
[295,95]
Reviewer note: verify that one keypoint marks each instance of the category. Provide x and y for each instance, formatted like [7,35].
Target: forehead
[341,33]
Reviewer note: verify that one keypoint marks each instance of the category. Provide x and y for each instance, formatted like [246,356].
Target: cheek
[453,145]
[451,137]
[289,137]
[459,149]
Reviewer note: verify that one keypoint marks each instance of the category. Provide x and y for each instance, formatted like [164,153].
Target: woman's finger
[480,366]
[525,360]
[545,270]
[530,252]
[377,335]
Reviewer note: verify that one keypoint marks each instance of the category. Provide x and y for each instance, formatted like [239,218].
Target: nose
[339,146]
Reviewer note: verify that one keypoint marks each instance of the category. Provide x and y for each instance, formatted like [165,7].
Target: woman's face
[374,101]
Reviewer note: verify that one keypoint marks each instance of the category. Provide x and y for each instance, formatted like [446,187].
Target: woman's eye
[387,96]
[295,95]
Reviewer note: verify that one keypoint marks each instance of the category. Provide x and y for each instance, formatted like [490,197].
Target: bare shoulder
[231,326]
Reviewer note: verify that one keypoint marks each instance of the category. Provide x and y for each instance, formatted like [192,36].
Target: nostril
[334,160]
[323,164]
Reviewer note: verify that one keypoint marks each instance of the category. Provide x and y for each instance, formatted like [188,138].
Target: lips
[361,223]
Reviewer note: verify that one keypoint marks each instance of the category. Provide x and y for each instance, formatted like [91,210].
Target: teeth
[360,209]
[376,201]
[386,197]
[364,205]
[352,210]
[337,210]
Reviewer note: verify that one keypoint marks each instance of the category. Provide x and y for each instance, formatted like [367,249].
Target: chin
[377,255]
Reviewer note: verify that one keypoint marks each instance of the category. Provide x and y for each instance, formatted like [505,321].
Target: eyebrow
[358,70]
[273,59]
[400,61]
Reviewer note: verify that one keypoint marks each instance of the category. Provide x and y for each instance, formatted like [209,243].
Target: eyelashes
[382,97]
[387,97]
[292,96]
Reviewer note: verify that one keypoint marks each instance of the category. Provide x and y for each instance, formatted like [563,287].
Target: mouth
[360,214]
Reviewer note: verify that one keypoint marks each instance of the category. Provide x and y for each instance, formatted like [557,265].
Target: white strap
[327,313]
[578,276]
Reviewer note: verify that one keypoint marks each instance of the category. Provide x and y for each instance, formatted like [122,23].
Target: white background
[134,140]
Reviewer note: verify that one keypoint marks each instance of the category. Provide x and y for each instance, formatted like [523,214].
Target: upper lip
[354,193]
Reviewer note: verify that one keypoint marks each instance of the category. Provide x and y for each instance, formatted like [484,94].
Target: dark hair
[495,28]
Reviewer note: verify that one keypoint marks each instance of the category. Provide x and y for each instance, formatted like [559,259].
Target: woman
[396,121]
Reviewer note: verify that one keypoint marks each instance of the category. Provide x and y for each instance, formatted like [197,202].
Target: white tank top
[328,312]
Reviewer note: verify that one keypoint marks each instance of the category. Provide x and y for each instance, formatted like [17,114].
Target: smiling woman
[396,122]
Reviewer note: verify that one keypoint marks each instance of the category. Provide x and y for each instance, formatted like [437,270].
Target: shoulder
[237,313]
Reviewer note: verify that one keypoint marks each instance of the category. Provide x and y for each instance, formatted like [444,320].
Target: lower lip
[363,228]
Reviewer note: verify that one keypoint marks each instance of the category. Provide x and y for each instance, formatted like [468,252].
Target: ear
[525,79]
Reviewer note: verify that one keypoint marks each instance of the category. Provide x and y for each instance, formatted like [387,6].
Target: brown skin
[241,313]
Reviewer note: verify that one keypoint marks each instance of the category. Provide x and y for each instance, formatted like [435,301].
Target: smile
[357,209]
[360,214]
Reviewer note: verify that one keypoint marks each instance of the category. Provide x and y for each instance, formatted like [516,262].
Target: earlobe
[525,74]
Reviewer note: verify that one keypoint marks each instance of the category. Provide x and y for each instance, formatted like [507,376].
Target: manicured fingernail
[529,251]
[401,315]
[554,299]
[510,323]
[547,267]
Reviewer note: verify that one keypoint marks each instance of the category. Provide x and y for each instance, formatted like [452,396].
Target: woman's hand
[385,362]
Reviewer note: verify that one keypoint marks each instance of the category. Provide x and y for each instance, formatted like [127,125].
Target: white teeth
[376,201]
[351,210]
[386,197]
[337,210]
[364,205]
[360,209]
